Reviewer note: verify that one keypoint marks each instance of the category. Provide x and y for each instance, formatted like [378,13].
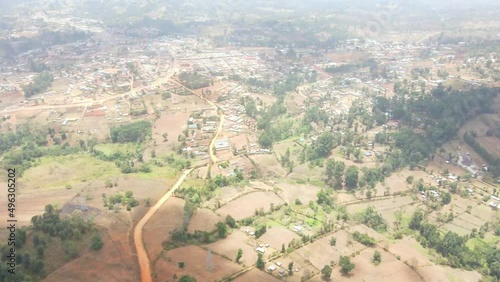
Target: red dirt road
[142,256]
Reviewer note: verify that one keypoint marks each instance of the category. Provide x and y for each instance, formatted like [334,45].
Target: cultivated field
[195,259]
[246,205]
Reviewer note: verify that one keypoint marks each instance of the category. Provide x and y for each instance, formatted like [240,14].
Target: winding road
[142,255]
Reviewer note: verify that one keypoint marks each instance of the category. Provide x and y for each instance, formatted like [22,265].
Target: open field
[237,240]
[55,172]
[390,269]
[381,205]
[256,275]
[277,235]
[320,252]
[195,259]
[291,191]
[203,220]
[246,205]
[165,220]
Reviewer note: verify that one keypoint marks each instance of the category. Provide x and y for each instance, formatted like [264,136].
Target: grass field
[55,172]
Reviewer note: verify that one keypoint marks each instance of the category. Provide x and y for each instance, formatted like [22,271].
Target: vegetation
[239,255]
[346,266]
[377,257]
[260,262]
[96,242]
[40,84]
[132,132]
[364,239]
[326,272]
[372,219]
[194,80]
[186,278]
[47,229]
[493,161]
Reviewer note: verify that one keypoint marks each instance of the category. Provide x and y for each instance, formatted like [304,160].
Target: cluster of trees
[322,147]
[493,161]
[45,227]
[363,238]
[40,84]
[290,84]
[371,218]
[20,149]
[113,202]
[132,132]
[194,80]
[336,174]
[221,181]
[345,68]
[453,247]
[271,131]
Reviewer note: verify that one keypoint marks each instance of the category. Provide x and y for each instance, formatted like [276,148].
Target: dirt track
[142,256]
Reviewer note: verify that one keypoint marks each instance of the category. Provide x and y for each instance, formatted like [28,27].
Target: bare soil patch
[203,220]
[237,240]
[256,275]
[195,259]
[245,206]
[163,222]
[390,269]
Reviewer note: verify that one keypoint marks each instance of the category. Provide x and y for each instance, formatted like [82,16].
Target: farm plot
[320,252]
[304,192]
[256,275]
[237,240]
[96,126]
[246,205]
[277,235]
[268,165]
[390,269]
[162,223]
[172,124]
[195,260]
[203,220]
[381,205]
[55,172]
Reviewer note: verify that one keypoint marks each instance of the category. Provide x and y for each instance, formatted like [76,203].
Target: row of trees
[132,132]
[40,84]
[492,160]
[453,247]
[43,230]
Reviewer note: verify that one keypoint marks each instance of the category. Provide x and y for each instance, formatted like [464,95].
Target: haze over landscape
[322,140]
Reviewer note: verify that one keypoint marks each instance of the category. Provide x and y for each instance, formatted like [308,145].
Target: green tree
[186,278]
[230,221]
[416,219]
[377,257]
[446,198]
[96,242]
[333,241]
[346,266]
[326,272]
[221,229]
[290,268]
[260,262]
[239,255]
[351,177]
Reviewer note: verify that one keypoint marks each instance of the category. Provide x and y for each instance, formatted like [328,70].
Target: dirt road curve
[142,256]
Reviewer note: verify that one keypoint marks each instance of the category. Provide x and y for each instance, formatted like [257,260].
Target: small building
[222,144]
[271,268]
[260,250]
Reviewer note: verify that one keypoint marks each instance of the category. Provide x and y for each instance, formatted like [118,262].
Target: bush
[364,239]
[96,242]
